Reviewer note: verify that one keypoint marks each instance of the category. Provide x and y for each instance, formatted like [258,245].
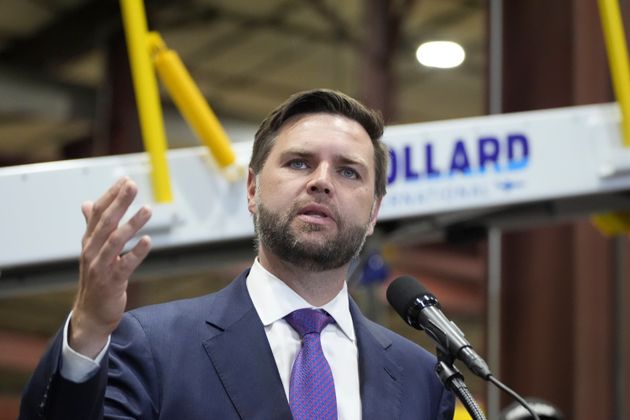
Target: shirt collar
[274,300]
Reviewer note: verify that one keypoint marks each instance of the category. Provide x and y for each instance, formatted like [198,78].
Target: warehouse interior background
[66,92]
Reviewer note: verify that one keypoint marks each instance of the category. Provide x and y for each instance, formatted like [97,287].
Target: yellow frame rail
[147,54]
[617,50]
[147,97]
[191,103]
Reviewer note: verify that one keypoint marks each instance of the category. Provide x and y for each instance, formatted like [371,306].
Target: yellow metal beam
[192,104]
[618,59]
[617,50]
[147,97]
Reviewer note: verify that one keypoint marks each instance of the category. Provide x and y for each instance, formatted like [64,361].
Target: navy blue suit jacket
[209,358]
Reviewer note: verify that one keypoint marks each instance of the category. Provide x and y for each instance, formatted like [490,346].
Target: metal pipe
[147,97]
[192,105]
[617,52]
[495,58]
[494,319]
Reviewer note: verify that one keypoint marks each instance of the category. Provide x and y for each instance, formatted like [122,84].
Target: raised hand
[104,273]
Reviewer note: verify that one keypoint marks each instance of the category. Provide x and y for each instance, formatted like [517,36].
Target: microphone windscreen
[402,293]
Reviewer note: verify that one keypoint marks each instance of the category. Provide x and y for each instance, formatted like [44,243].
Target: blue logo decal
[411,163]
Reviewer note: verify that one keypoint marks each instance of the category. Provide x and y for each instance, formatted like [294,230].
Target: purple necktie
[312,390]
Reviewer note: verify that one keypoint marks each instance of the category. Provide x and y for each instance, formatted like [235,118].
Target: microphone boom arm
[453,380]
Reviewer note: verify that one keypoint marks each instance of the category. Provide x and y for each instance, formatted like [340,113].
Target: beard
[275,232]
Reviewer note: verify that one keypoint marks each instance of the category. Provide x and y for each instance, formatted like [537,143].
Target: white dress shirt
[273,300]
[76,367]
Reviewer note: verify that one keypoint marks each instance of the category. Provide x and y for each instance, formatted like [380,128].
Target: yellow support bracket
[612,224]
[147,97]
[193,106]
[617,50]
[147,53]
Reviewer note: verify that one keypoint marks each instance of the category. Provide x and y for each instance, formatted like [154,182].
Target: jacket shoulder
[405,349]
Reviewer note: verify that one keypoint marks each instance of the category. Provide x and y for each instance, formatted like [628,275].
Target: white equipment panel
[437,167]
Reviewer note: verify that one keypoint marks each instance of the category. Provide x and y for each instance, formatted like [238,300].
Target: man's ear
[375,209]
[251,191]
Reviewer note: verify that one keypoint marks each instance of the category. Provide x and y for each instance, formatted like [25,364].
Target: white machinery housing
[508,169]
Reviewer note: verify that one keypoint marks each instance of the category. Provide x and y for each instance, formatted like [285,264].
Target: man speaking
[284,340]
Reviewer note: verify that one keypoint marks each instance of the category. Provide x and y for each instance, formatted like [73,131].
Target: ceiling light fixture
[440,54]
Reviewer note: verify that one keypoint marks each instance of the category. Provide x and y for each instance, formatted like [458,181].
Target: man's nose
[321,180]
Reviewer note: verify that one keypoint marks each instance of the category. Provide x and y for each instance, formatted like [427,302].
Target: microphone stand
[453,380]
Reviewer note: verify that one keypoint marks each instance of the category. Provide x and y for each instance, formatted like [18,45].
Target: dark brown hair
[326,101]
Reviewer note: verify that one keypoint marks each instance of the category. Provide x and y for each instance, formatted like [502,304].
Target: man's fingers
[100,205]
[117,240]
[86,209]
[131,260]
[108,221]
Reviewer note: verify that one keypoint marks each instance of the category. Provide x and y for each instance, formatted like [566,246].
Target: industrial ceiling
[57,58]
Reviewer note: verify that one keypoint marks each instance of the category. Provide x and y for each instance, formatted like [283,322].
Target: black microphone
[420,309]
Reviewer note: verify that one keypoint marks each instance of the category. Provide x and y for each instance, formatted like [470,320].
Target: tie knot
[306,321]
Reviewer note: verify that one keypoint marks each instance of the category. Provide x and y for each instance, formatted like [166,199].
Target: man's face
[313,201]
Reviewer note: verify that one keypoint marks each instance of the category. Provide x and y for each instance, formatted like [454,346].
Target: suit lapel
[240,352]
[379,374]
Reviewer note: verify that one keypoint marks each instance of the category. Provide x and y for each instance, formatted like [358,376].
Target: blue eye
[349,173]
[297,164]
